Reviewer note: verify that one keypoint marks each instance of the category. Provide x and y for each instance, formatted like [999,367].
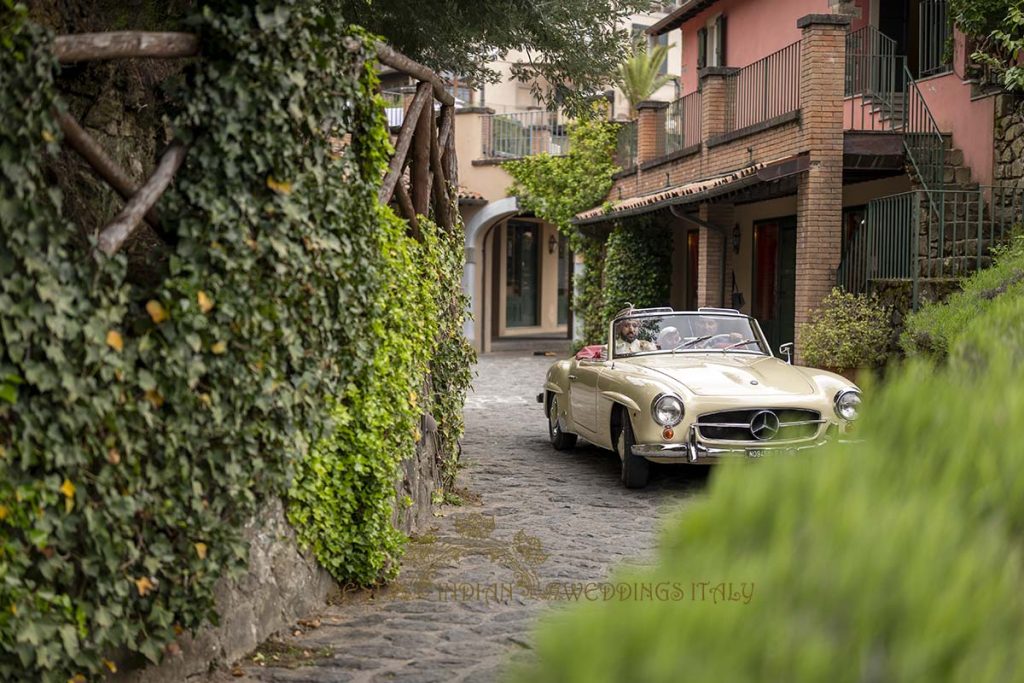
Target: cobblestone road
[534,523]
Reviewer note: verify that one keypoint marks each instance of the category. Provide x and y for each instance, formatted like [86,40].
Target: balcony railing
[935,44]
[522,134]
[768,88]
[682,123]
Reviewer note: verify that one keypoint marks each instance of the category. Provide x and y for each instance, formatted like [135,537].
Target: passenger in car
[626,340]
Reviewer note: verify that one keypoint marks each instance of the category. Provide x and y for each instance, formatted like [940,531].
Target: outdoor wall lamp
[736,239]
[552,244]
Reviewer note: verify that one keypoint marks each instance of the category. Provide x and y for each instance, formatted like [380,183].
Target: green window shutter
[721,40]
[702,48]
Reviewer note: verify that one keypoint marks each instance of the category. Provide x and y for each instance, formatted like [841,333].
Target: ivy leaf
[144,586]
[114,340]
[280,187]
[201,550]
[156,311]
[68,489]
[205,302]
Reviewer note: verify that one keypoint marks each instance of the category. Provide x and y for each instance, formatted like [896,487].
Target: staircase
[947,226]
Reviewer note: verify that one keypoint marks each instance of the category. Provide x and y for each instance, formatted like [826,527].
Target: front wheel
[635,470]
[562,441]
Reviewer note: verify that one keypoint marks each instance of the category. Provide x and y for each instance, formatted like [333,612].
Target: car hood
[724,374]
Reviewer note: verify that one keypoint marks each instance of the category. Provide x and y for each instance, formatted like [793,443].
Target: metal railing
[883,246]
[881,95]
[904,237]
[522,134]
[873,84]
[761,91]
[935,33]
[682,123]
[626,144]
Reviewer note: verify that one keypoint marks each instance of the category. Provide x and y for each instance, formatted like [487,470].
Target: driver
[627,342]
[713,336]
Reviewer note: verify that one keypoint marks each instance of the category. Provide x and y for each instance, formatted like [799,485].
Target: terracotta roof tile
[666,196]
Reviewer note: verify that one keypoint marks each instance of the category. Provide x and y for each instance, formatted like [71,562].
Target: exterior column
[715,112]
[650,130]
[713,121]
[820,189]
[713,254]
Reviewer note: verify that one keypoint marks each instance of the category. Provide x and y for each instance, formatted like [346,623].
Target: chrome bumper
[694,453]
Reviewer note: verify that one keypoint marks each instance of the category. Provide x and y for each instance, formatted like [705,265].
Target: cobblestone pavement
[534,523]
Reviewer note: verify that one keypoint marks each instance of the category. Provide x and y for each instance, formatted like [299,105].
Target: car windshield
[686,333]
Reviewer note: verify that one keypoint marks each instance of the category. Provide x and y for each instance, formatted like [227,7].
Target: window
[711,43]
[639,35]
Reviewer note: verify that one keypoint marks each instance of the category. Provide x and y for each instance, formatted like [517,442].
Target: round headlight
[848,404]
[667,411]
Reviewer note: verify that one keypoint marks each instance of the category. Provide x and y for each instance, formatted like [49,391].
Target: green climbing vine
[142,426]
[637,266]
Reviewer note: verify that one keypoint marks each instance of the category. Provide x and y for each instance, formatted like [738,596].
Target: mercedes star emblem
[764,425]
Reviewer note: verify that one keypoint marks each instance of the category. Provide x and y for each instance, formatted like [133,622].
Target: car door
[583,378]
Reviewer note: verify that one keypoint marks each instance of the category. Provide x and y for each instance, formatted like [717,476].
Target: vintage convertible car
[692,387]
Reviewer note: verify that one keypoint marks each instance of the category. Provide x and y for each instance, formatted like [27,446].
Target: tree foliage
[639,75]
[566,49]
[998,25]
[556,188]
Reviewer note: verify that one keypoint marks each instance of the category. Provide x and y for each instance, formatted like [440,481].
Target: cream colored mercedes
[692,387]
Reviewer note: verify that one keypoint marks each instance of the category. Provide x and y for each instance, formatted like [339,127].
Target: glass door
[521,273]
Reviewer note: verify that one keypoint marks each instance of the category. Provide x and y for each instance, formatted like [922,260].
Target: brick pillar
[820,189]
[713,243]
[650,130]
[715,111]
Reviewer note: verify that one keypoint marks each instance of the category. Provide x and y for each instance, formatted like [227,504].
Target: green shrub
[637,267]
[846,331]
[935,328]
[895,559]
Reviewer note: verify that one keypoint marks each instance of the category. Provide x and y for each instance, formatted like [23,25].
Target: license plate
[755,452]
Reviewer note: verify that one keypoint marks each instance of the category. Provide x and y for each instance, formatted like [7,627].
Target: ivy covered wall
[262,348]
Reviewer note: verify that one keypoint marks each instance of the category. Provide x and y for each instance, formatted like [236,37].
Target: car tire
[636,471]
[561,440]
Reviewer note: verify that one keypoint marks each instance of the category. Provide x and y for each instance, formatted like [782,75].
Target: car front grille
[756,424]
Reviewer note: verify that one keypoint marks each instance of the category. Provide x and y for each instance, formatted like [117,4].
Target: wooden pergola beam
[105,167]
[419,166]
[412,117]
[117,233]
[396,60]
[83,47]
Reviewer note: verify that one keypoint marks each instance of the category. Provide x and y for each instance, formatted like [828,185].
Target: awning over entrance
[698,191]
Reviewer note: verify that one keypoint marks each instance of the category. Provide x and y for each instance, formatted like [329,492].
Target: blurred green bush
[895,559]
[934,329]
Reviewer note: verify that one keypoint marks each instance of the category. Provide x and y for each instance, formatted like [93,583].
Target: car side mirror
[787,351]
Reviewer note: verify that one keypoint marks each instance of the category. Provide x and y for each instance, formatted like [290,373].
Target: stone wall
[281,585]
[1009,141]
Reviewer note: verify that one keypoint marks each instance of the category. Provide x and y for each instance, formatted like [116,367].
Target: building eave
[697,191]
[685,12]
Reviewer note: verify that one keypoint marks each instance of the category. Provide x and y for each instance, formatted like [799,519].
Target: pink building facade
[816,143]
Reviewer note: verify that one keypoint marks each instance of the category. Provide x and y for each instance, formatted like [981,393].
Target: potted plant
[847,334]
